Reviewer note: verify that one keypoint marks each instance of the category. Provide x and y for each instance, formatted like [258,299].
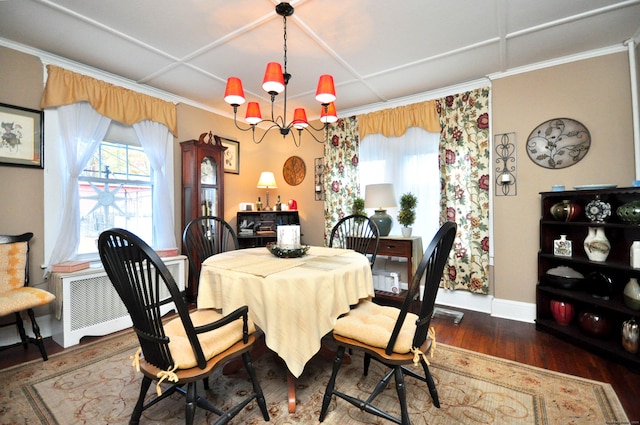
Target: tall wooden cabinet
[595,294]
[202,185]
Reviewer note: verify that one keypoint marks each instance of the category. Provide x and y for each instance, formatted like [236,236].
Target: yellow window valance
[394,122]
[65,87]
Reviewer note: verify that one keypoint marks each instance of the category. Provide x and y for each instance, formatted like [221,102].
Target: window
[410,162]
[115,191]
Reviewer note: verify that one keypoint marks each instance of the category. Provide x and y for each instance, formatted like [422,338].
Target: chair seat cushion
[373,324]
[13,260]
[22,299]
[212,342]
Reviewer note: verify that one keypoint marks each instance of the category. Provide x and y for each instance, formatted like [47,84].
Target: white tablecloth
[294,301]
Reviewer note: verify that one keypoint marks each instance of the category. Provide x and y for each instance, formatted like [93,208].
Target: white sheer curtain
[81,130]
[410,162]
[153,138]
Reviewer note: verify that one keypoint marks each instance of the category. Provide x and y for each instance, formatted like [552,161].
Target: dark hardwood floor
[479,332]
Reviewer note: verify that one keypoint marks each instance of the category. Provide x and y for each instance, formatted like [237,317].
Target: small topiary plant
[407,214]
[358,206]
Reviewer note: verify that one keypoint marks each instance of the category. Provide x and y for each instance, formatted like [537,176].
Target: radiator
[91,306]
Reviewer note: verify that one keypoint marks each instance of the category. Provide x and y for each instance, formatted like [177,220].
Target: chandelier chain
[285,45]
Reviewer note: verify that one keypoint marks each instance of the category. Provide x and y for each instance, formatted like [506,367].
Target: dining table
[294,301]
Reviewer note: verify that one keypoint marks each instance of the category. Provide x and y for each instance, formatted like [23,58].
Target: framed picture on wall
[22,142]
[231,158]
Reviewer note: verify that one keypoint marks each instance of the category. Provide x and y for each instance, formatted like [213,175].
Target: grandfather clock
[202,185]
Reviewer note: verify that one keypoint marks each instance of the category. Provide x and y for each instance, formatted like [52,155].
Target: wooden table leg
[291,391]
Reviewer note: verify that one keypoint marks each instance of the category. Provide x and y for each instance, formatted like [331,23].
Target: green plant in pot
[358,206]
[407,214]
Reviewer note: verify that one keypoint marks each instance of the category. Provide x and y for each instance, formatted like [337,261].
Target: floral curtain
[464,171]
[341,183]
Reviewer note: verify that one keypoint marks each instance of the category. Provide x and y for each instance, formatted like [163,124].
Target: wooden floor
[498,337]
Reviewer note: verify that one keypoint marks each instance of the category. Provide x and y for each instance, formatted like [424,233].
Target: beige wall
[596,93]
[22,189]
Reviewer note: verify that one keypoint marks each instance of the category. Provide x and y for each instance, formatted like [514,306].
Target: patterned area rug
[95,384]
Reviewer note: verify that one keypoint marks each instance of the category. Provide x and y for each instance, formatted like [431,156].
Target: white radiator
[91,306]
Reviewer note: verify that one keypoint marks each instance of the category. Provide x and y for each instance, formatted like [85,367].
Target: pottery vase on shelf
[597,210]
[562,247]
[629,212]
[596,244]
[630,335]
[632,294]
[600,285]
[565,210]
[594,324]
[562,312]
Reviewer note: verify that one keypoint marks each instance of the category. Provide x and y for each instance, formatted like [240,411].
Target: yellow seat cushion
[23,298]
[13,260]
[373,324]
[14,296]
[212,342]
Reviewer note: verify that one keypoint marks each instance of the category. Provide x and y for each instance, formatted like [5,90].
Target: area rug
[95,384]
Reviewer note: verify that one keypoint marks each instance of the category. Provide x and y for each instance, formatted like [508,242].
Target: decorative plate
[558,143]
[595,186]
[597,210]
[285,252]
[294,170]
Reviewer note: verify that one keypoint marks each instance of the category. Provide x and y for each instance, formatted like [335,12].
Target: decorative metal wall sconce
[505,176]
[318,181]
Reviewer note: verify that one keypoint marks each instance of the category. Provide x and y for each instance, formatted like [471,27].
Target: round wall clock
[558,143]
[294,170]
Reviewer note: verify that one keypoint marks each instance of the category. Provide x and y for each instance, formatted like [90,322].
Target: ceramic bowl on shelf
[564,277]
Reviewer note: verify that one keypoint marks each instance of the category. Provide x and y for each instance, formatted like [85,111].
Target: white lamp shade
[267,180]
[379,196]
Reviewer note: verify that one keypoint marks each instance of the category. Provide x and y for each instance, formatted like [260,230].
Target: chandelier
[275,81]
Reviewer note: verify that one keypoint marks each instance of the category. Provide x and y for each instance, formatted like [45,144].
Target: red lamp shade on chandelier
[275,82]
[234,94]
[273,78]
[326,91]
[328,113]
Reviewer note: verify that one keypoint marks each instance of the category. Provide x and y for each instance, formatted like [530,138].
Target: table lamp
[380,197]
[267,180]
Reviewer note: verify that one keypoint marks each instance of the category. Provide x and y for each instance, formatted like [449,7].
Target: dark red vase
[595,324]
[562,312]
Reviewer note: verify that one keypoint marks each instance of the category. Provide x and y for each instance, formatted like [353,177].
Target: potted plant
[407,214]
[358,206]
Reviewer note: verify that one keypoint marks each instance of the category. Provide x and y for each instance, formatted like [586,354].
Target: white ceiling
[376,50]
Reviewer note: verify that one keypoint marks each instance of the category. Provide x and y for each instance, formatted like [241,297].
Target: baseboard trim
[504,309]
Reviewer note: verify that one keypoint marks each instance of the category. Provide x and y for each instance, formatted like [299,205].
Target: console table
[403,247]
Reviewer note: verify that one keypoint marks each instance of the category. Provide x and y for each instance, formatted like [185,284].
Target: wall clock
[558,143]
[294,170]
